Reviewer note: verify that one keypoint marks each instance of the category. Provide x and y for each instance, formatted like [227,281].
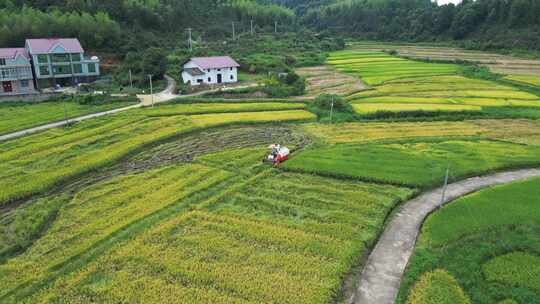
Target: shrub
[325,101]
[518,268]
[437,287]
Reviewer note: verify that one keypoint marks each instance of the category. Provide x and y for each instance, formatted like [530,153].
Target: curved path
[381,277]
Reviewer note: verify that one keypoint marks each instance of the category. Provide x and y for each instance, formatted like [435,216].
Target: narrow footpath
[381,277]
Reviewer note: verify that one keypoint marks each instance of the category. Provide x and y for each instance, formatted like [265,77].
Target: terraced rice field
[420,86]
[375,68]
[482,248]
[497,63]
[326,80]
[526,79]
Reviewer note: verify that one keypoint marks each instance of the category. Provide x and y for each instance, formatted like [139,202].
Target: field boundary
[381,277]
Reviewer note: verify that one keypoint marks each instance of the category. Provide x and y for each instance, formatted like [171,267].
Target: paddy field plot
[15,116]
[414,164]
[486,242]
[369,108]
[526,79]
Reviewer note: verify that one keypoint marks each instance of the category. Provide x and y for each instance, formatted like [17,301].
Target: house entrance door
[6,85]
[219,78]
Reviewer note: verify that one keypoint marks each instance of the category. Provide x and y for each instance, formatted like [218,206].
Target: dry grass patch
[326,80]
[366,132]
[369,108]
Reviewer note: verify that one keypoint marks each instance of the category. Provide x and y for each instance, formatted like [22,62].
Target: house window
[43,58]
[199,81]
[232,77]
[24,83]
[231,69]
[62,69]
[77,68]
[44,70]
[60,58]
[219,70]
[76,57]
[91,68]
[209,79]
[2,61]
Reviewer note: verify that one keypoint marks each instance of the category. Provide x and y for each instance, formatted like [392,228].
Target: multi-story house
[15,72]
[60,61]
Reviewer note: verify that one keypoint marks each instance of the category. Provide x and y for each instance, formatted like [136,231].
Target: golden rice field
[516,131]
[208,235]
[367,108]
[37,162]
[527,79]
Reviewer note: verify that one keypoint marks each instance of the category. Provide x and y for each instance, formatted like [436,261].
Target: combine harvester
[278,155]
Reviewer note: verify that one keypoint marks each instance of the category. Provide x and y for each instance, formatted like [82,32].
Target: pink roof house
[210,70]
[53,45]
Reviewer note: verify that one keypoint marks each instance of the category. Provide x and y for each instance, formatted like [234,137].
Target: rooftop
[215,62]
[11,53]
[46,46]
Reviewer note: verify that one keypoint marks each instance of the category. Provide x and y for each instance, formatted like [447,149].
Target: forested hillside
[127,25]
[491,24]
[121,26]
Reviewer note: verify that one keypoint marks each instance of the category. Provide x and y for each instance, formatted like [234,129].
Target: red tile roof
[215,62]
[45,46]
[12,53]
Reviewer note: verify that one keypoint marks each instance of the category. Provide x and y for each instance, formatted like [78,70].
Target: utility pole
[251,27]
[151,89]
[445,186]
[332,109]
[190,42]
[130,79]
[233,32]
[275,27]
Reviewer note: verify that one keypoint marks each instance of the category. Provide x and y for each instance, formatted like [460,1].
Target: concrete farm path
[381,277]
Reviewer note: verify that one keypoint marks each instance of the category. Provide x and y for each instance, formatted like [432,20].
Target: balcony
[12,73]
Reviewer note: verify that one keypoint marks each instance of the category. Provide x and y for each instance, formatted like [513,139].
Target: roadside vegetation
[487,241]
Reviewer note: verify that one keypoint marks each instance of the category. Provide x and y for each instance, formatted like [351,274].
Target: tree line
[488,23]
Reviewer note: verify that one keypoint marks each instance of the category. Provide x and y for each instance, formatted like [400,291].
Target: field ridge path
[381,277]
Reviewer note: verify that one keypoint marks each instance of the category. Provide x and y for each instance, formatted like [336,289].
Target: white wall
[228,75]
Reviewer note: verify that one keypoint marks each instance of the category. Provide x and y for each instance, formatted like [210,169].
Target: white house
[210,70]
